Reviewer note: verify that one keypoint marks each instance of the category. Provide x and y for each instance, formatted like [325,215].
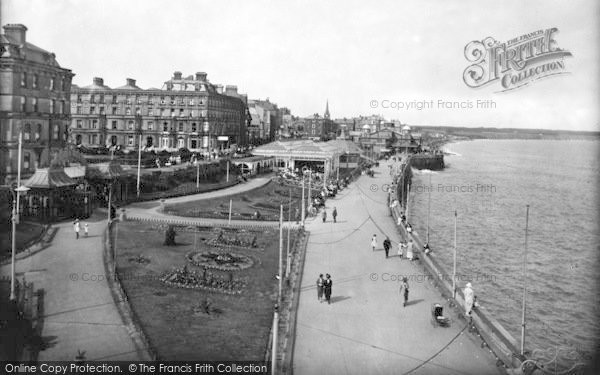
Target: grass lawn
[238,326]
[26,232]
[265,199]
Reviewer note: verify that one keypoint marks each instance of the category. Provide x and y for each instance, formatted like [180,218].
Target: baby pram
[437,316]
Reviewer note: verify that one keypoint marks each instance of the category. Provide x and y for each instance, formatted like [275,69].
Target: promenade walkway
[366,330]
[79,312]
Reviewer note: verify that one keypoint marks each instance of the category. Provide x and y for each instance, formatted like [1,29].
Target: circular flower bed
[223,261]
[183,278]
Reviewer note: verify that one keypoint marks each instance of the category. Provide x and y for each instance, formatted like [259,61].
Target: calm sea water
[489,183]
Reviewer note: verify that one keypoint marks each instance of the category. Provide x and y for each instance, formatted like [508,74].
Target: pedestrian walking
[404,288]
[76,228]
[374,242]
[409,250]
[334,214]
[324,215]
[386,246]
[320,282]
[85,229]
[327,284]
[469,299]
[400,250]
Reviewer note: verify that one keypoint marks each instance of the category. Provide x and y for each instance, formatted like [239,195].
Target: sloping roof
[345,146]
[296,148]
[107,170]
[48,178]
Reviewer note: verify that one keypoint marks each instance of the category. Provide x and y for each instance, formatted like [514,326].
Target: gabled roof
[48,178]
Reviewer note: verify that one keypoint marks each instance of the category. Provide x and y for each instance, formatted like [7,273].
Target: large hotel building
[34,102]
[187,112]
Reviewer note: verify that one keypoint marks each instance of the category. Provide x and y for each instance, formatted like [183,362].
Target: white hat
[469,285]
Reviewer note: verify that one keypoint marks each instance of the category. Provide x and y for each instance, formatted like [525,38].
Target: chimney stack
[15,32]
[177,76]
[231,90]
[98,81]
[219,89]
[201,76]
[130,82]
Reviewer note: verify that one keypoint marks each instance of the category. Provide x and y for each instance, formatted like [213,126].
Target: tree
[170,236]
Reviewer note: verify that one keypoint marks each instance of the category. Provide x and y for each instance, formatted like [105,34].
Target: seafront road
[366,330]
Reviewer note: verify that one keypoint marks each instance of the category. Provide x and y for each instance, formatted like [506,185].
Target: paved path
[79,310]
[144,212]
[366,330]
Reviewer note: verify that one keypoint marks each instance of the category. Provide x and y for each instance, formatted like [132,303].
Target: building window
[193,143]
[23,101]
[150,112]
[163,112]
[130,125]
[130,140]
[23,79]
[51,83]
[181,126]
[94,139]
[127,111]
[180,143]
[79,123]
[114,124]
[26,161]
[51,109]
[138,111]
[165,126]
[94,124]
[38,132]
[193,127]
[78,110]
[62,107]
[27,132]
[172,112]
[181,112]
[150,125]
[101,110]
[92,110]
[55,131]
[113,140]
[35,81]
[34,104]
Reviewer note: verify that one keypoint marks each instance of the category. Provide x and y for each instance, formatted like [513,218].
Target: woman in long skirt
[374,242]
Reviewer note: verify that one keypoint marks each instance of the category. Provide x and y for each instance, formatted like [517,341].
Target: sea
[489,184]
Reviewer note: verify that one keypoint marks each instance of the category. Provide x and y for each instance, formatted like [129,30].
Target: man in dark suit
[386,246]
[327,288]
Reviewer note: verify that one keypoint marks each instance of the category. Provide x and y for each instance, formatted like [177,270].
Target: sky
[363,57]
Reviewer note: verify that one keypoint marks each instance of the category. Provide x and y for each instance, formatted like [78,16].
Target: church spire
[326,115]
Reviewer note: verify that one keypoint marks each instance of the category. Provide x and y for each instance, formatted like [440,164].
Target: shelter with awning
[298,154]
[53,196]
[104,176]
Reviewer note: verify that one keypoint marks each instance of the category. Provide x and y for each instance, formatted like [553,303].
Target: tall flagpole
[454,261]
[407,198]
[524,283]
[287,258]
[19,152]
[303,212]
[429,208]
[139,166]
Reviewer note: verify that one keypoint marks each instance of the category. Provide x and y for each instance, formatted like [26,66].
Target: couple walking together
[324,287]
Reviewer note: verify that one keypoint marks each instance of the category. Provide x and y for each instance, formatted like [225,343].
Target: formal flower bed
[222,261]
[184,278]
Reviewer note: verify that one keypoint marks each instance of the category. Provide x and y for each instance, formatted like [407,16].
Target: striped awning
[49,178]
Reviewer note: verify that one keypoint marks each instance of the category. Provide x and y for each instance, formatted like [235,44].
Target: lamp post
[15,214]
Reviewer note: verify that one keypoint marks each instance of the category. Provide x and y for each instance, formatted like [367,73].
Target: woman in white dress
[374,242]
[409,250]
